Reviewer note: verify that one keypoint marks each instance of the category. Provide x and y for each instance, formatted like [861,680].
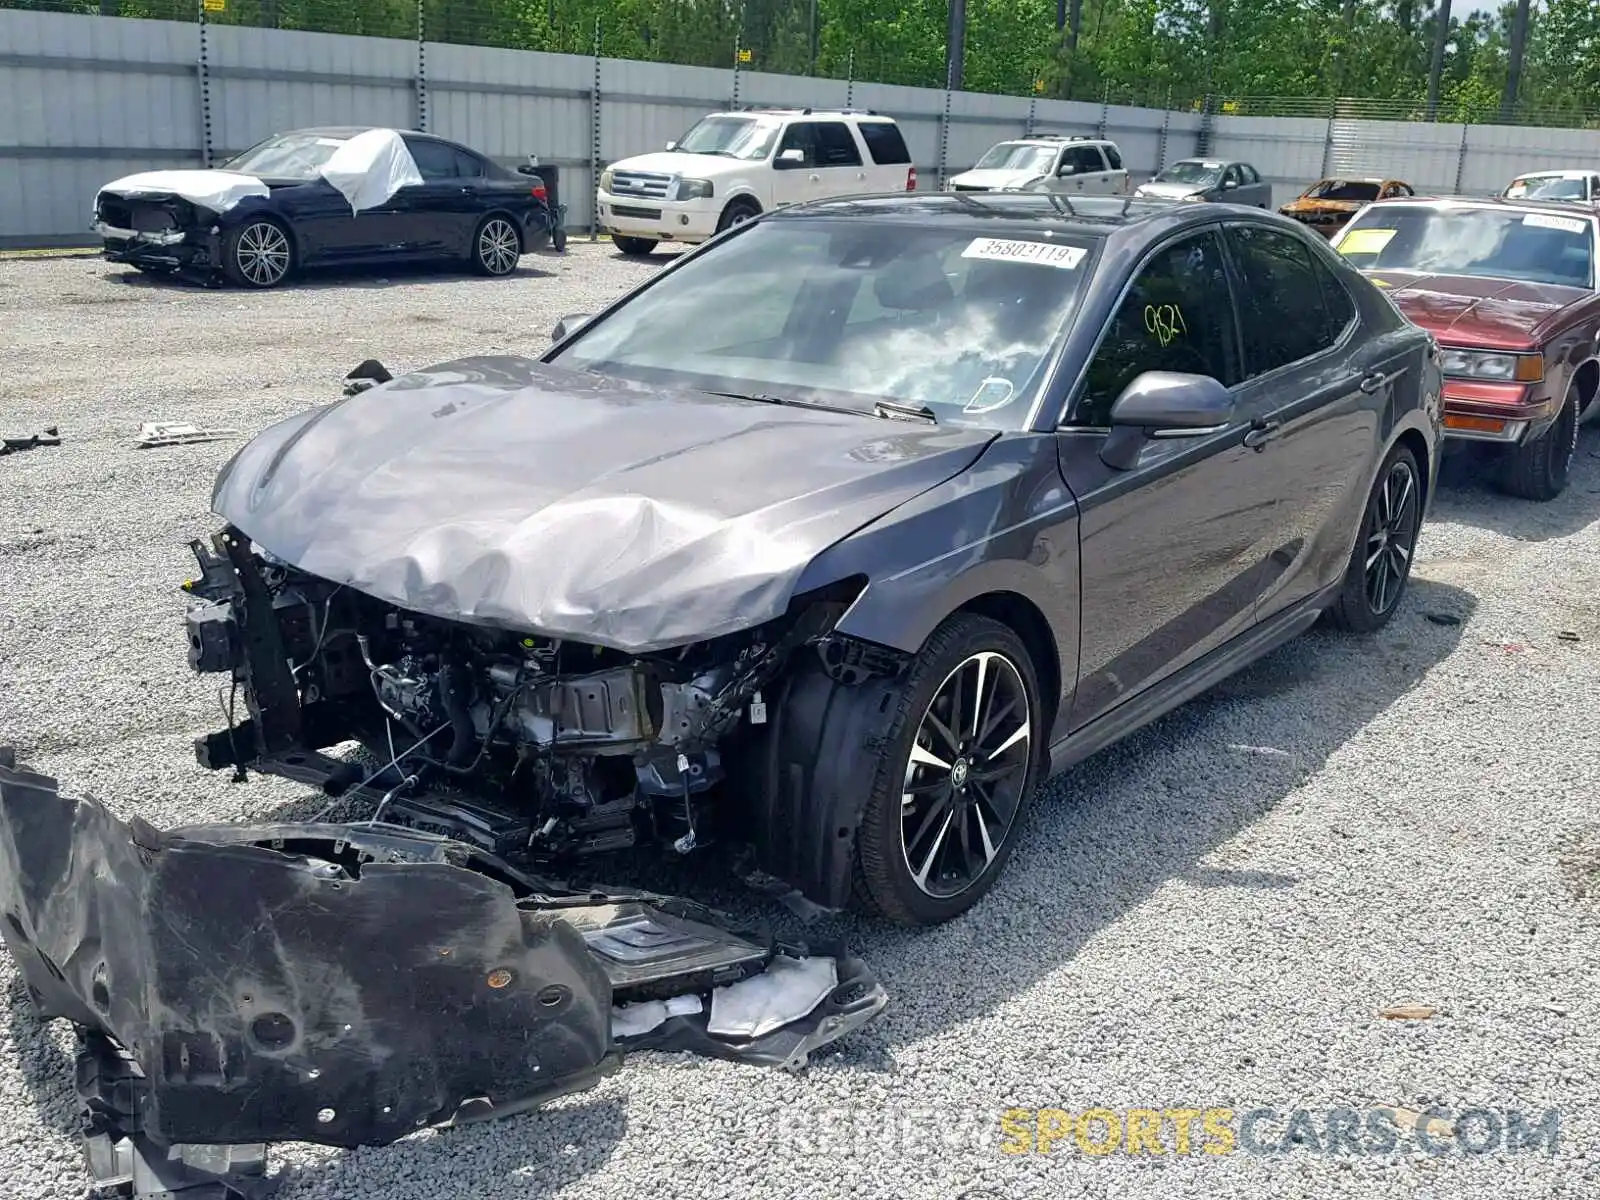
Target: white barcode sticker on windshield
[1546,221]
[1043,253]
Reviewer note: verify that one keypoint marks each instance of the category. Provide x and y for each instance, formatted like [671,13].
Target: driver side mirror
[1229,183]
[569,325]
[1067,168]
[1161,405]
[789,160]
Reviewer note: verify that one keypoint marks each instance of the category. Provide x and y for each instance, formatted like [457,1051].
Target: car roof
[350,131]
[1554,207]
[857,114]
[1010,212]
[1058,139]
[1564,173]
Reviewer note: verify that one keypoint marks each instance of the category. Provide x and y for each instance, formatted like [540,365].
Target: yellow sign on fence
[744,56]
[214,5]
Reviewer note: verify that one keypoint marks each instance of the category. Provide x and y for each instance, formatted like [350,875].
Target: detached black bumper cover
[349,984]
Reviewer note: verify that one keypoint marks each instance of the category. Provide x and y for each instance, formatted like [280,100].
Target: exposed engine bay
[528,748]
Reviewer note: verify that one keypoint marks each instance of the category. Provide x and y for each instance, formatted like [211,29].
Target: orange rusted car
[1329,203]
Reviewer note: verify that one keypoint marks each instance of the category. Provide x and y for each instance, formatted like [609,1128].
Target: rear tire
[1540,469]
[496,246]
[634,247]
[944,797]
[258,254]
[1380,565]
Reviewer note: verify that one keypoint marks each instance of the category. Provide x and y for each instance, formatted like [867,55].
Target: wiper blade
[768,398]
[898,412]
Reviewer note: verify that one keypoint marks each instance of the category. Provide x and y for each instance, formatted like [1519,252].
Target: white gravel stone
[1210,915]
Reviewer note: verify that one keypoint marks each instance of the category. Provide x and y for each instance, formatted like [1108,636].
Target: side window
[1176,316]
[884,142]
[1281,313]
[1251,175]
[1231,175]
[1337,306]
[1084,159]
[802,135]
[469,166]
[434,160]
[838,148]
[1113,156]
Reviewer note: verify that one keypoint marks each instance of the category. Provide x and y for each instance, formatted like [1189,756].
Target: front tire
[960,766]
[258,254]
[634,247]
[737,213]
[1380,564]
[1540,469]
[496,246]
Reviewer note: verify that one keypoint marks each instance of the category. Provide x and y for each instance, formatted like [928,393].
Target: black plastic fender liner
[269,996]
[810,775]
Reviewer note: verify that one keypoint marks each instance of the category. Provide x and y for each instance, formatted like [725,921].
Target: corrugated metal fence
[86,99]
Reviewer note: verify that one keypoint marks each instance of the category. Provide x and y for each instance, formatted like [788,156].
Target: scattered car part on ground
[1508,289]
[733,166]
[179,433]
[832,575]
[1044,162]
[1328,204]
[1579,185]
[49,436]
[1214,179]
[348,984]
[326,197]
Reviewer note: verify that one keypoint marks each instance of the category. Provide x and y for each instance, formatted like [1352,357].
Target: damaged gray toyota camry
[825,545]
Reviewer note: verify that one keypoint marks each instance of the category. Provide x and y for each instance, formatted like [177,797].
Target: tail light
[911,179]
[539,194]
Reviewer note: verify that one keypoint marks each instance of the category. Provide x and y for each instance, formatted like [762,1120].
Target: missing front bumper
[350,984]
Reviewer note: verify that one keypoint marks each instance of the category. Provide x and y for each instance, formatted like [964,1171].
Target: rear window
[884,142]
[843,313]
[1112,156]
[1539,247]
[1359,190]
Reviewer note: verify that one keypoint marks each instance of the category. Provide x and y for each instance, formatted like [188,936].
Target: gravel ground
[1211,915]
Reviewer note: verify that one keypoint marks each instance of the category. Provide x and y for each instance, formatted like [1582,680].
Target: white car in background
[1063,163]
[1577,185]
[732,166]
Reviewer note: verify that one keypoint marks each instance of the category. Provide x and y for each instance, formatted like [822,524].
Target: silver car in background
[1208,179]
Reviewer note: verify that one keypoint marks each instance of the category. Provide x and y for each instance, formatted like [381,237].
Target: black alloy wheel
[1380,565]
[961,758]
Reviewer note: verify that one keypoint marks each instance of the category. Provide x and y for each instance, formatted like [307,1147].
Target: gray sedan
[1209,179]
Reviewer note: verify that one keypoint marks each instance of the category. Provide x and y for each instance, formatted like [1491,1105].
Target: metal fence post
[1166,126]
[203,78]
[944,138]
[594,142]
[422,71]
[1461,157]
[738,45]
[850,79]
[1033,108]
[1105,111]
[1327,148]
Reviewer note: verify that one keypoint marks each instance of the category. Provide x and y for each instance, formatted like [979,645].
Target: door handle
[466,191]
[1371,383]
[1262,432]
[813,177]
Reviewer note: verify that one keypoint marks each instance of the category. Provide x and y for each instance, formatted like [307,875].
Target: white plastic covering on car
[371,167]
[216,190]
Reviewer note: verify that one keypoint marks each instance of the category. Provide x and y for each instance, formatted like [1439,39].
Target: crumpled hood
[1167,191]
[1463,309]
[216,190]
[993,178]
[504,492]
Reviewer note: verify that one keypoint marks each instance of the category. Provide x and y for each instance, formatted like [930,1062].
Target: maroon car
[1507,288]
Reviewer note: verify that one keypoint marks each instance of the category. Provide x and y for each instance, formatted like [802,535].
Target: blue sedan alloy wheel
[497,248]
[258,255]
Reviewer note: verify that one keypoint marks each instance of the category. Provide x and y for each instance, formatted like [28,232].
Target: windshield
[286,156]
[1197,173]
[1540,247]
[1546,187]
[1343,189]
[1018,156]
[844,313]
[730,137]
